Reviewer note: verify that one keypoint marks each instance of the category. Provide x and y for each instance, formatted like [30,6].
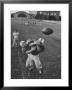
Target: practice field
[50,58]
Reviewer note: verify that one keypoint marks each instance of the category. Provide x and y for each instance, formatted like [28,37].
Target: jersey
[37,49]
[16,35]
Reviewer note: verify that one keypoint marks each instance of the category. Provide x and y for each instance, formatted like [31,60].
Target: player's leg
[17,41]
[13,42]
[29,63]
[38,63]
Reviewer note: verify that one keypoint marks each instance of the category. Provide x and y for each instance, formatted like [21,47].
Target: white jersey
[16,35]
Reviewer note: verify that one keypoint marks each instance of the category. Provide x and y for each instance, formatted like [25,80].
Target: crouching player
[33,54]
[15,38]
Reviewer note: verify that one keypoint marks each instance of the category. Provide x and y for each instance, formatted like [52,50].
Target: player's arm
[29,51]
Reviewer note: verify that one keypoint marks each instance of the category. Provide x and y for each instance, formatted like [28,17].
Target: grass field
[50,58]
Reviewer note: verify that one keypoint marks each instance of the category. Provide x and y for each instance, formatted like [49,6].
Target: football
[47,31]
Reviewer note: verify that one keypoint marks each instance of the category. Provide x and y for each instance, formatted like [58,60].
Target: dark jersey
[37,49]
[26,47]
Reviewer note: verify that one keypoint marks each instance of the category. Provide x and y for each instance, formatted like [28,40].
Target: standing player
[15,38]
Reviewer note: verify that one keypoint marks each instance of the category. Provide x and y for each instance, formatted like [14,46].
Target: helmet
[22,43]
